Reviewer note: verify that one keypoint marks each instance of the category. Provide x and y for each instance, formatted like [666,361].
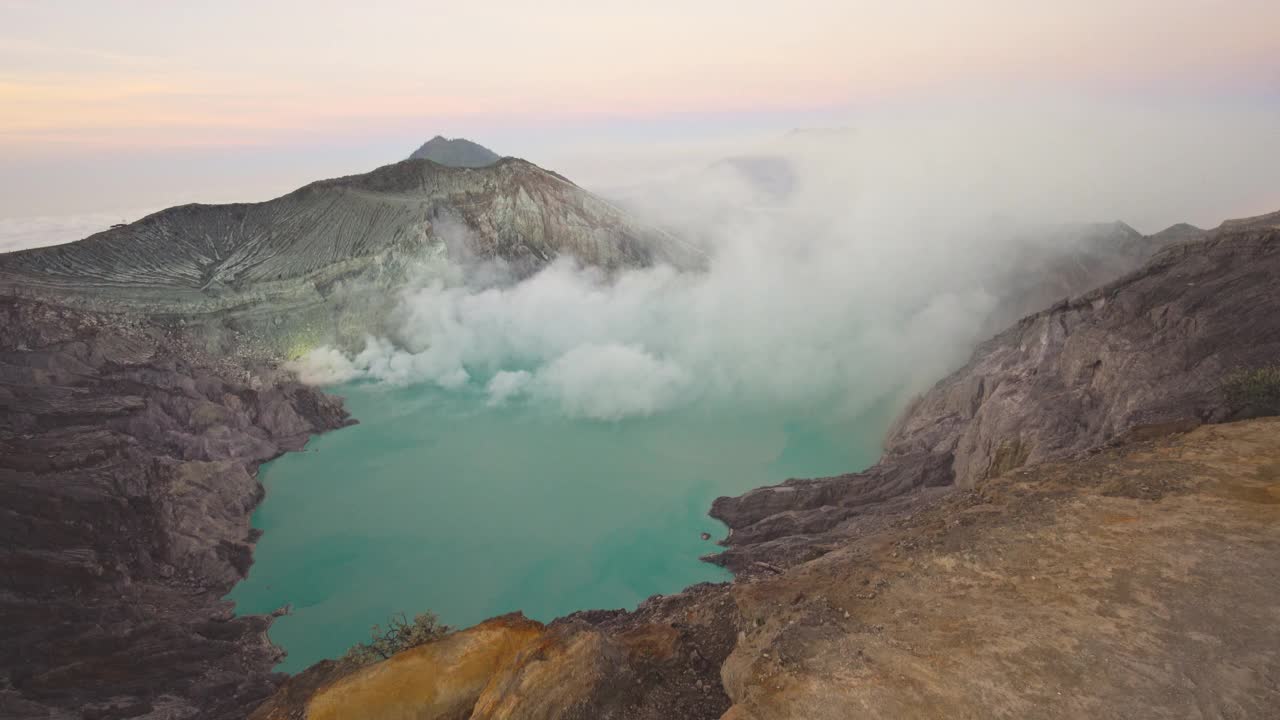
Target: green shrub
[1254,391]
[399,634]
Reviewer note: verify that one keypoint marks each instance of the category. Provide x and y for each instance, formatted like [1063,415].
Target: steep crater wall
[128,465]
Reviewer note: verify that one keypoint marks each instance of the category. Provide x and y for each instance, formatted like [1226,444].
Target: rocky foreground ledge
[128,469]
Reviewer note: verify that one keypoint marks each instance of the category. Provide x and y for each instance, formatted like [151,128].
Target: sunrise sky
[107,105]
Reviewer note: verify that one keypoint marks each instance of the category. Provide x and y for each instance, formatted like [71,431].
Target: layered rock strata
[128,467]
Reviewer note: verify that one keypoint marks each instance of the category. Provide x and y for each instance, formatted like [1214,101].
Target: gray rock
[1148,350]
[127,476]
[457,152]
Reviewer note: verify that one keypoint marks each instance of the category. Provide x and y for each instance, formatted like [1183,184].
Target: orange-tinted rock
[562,670]
[441,680]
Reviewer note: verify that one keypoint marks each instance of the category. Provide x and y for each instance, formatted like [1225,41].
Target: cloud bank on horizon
[103,106]
[84,72]
[21,233]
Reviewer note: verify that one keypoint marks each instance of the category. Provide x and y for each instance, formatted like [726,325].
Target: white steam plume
[847,267]
[769,323]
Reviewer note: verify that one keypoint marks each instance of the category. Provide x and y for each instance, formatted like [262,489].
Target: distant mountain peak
[455,152]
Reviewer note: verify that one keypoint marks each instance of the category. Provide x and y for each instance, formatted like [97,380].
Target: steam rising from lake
[774,320]
[845,267]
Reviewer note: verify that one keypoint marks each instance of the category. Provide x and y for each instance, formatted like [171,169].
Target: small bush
[1254,391]
[399,634]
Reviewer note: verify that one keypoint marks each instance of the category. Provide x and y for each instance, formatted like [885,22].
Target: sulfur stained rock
[557,676]
[660,661]
[443,679]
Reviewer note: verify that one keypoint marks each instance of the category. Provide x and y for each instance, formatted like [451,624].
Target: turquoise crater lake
[439,501]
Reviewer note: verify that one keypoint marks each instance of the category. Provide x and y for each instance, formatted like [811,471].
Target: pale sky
[134,104]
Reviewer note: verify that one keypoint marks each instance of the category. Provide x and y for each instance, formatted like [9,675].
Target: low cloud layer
[22,233]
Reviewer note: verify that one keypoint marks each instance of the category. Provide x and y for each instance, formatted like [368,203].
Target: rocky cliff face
[128,467]
[1150,350]
[967,574]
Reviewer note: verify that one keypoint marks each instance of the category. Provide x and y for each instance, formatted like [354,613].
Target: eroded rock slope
[1103,553]
[128,468]
[321,263]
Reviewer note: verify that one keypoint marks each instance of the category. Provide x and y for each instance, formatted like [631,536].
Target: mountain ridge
[455,152]
[314,265]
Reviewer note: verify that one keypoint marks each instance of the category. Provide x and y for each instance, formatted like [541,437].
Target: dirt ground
[1139,582]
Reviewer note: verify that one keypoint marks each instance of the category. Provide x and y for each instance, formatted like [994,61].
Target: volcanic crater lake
[438,501]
